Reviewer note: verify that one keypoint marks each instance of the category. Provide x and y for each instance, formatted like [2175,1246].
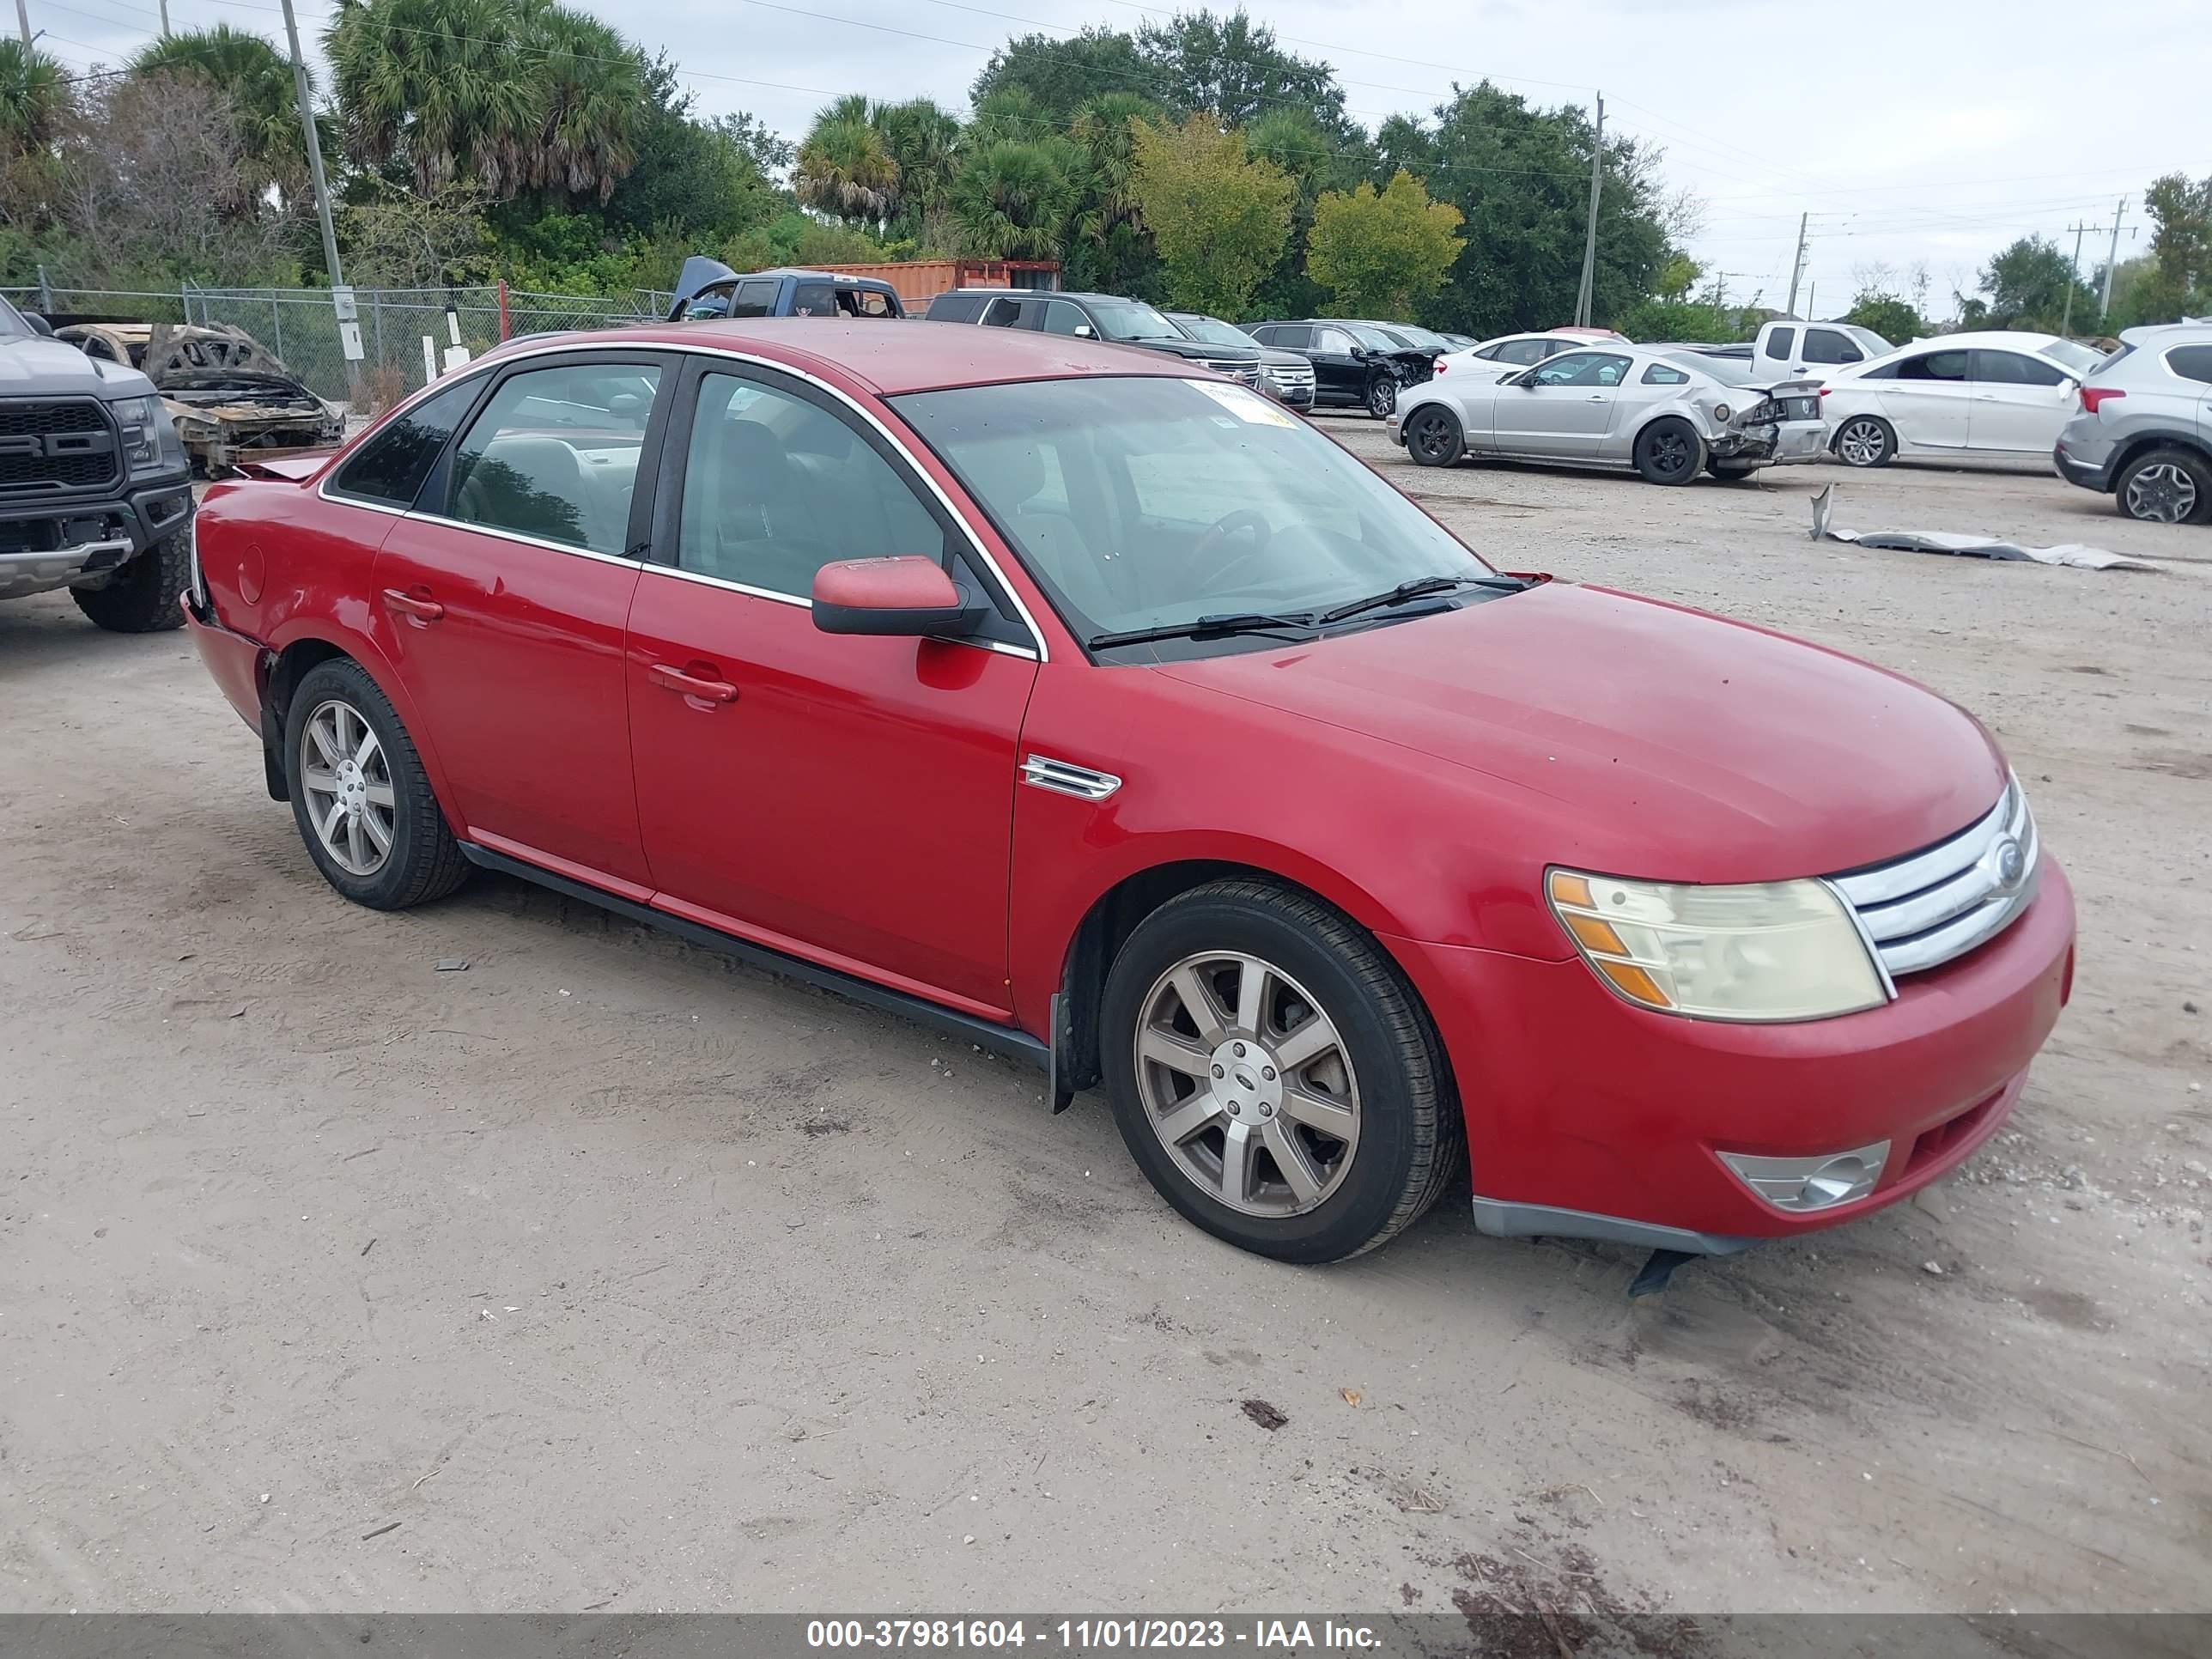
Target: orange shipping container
[916,282]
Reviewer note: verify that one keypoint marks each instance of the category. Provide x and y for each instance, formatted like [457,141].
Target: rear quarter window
[955,308]
[2191,362]
[1659,375]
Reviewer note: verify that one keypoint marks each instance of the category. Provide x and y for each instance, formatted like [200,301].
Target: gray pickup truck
[95,490]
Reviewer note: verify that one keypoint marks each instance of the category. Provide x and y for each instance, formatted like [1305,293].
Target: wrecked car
[229,395]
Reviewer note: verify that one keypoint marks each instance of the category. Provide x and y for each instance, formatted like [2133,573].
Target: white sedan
[1666,411]
[1495,358]
[1993,394]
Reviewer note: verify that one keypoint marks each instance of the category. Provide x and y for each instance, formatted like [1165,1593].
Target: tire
[419,860]
[1377,1053]
[1381,396]
[1865,440]
[1731,471]
[1433,437]
[145,596]
[2165,486]
[1669,452]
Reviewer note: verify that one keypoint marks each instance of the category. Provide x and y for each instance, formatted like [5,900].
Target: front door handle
[1596,398]
[411,605]
[691,686]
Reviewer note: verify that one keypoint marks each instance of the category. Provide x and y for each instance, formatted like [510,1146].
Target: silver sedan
[1665,412]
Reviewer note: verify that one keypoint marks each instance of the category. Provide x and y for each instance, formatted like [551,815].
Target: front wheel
[145,596]
[1864,441]
[1669,452]
[1433,436]
[360,795]
[2166,486]
[1382,396]
[1273,1075]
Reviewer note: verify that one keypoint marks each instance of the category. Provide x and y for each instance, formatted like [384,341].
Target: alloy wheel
[347,782]
[1432,437]
[2162,493]
[1862,443]
[1248,1083]
[1672,453]
[1382,396]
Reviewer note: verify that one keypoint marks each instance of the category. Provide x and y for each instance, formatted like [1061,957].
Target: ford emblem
[2012,862]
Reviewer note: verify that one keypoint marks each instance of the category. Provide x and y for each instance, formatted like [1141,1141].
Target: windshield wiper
[1226,622]
[1418,588]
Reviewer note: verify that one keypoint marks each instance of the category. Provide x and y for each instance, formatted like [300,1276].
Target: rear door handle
[691,686]
[408,605]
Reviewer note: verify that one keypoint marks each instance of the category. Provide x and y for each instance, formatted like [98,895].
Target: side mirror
[1084,332]
[909,595]
[38,324]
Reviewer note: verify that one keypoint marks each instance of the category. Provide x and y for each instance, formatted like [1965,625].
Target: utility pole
[2073,278]
[2106,308]
[1583,297]
[315,171]
[1796,266]
[23,23]
[165,19]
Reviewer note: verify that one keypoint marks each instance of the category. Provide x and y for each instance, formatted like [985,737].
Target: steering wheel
[1210,541]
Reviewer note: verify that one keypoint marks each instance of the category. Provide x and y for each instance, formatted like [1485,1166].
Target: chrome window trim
[704,348]
[501,532]
[1003,647]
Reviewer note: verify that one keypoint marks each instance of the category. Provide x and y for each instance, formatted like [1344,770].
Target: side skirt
[1000,1039]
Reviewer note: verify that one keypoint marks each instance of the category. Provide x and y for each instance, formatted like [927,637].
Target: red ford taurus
[1114,718]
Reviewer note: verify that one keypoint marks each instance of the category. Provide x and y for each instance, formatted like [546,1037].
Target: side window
[390,467]
[2191,362]
[1263,333]
[814,300]
[1606,370]
[870,302]
[1932,366]
[1584,368]
[1493,354]
[775,487]
[1781,342]
[709,302]
[1659,375]
[1009,313]
[1062,318]
[1335,340]
[1292,337]
[955,308]
[1825,345]
[2013,368]
[554,454]
[1524,351]
[755,299]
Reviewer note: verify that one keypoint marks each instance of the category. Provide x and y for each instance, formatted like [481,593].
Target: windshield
[1872,343]
[2079,358]
[12,326]
[1373,338]
[1131,319]
[1426,339]
[1212,329]
[1142,502]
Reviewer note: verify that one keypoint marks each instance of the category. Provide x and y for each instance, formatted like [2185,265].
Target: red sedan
[1113,717]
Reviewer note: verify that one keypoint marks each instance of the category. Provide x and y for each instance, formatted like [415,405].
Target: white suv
[2144,435]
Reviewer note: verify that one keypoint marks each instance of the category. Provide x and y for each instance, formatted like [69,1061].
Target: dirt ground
[604,1274]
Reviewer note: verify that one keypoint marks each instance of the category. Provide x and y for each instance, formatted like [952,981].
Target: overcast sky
[1935,131]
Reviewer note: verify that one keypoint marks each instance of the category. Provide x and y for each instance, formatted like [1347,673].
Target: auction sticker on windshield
[1244,404]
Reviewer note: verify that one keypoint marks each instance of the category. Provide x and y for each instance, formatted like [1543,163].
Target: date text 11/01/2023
[1091,1635]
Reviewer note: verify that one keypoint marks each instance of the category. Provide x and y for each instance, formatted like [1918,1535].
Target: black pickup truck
[95,490]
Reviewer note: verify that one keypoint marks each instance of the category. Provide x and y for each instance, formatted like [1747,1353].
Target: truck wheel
[1669,452]
[1275,1076]
[143,597]
[1433,437]
[1865,440]
[1382,396]
[360,796]
[2166,486]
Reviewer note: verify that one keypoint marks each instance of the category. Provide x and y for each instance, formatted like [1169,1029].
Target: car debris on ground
[1971,547]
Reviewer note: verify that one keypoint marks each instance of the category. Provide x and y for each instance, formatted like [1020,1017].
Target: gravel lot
[619,1276]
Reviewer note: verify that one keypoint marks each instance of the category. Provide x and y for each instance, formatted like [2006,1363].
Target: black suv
[1355,364]
[1093,317]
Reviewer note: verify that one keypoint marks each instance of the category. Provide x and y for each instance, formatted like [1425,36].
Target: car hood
[1647,739]
[1200,351]
[42,367]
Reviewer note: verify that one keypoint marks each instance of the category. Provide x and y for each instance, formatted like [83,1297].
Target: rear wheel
[1433,436]
[1669,452]
[1865,440]
[2165,486]
[360,796]
[1273,1075]
[1382,396]
[144,597]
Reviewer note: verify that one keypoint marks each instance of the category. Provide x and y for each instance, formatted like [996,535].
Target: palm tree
[595,92]
[35,97]
[921,138]
[1102,127]
[1013,199]
[844,166]
[257,78]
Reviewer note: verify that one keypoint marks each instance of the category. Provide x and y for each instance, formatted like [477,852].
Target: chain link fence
[301,326]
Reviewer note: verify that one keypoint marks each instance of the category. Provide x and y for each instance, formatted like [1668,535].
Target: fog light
[1817,1182]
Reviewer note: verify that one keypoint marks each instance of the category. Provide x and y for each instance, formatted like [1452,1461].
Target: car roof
[818,275]
[2150,334]
[889,358]
[2012,339]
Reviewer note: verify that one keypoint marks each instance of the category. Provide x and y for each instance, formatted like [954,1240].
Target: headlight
[1784,950]
[151,443]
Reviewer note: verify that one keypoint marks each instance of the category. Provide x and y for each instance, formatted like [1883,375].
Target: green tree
[1892,316]
[923,140]
[694,179]
[594,87]
[1014,197]
[1655,321]
[2180,280]
[2026,283]
[257,79]
[844,166]
[1379,251]
[35,97]
[1218,217]
[1231,68]
[1059,75]
[1109,247]
[1677,277]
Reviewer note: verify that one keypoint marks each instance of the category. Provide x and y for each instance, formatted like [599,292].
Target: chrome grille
[1289,378]
[1248,372]
[1934,906]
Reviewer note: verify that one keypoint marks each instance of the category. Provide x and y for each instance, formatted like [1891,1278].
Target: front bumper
[1588,1117]
[63,544]
[2090,475]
